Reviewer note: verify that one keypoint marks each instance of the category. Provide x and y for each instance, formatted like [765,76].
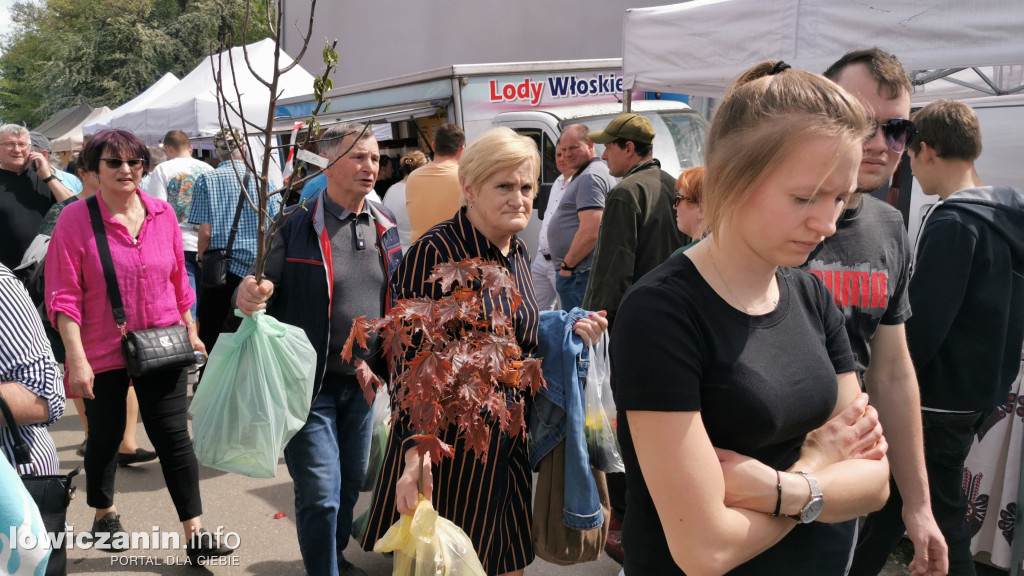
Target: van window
[548,169]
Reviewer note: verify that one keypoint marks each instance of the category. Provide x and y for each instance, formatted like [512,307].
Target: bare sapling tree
[232,115]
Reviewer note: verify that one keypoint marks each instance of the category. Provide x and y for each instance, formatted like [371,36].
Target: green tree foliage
[64,53]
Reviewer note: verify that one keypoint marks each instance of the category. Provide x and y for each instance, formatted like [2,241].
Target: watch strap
[815,493]
[49,178]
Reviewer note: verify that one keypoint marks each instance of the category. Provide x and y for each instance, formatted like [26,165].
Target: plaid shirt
[213,202]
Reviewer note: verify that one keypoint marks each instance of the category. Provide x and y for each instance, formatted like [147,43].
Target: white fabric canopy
[148,97]
[72,139]
[191,104]
[698,47]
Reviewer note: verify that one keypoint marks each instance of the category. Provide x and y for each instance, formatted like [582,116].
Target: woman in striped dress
[490,501]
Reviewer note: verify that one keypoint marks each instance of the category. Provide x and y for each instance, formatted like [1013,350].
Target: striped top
[456,239]
[26,358]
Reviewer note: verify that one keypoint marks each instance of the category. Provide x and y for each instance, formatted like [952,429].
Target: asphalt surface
[242,505]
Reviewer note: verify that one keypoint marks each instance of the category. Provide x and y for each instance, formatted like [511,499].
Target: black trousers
[947,441]
[163,409]
[215,310]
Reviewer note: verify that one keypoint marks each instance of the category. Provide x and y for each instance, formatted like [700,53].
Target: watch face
[812,510]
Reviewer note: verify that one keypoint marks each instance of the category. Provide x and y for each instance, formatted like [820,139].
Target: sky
[5,17]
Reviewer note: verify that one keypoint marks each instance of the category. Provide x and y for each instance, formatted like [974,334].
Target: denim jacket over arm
[558,413]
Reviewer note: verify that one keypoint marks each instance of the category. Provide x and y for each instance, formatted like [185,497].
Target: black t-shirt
[866,266]
[24,200]
[761,383]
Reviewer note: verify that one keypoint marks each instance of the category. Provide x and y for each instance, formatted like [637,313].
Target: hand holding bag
[52,494]
[144,351]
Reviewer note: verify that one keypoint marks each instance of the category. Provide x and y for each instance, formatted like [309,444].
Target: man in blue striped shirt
[214,200]
[30,381]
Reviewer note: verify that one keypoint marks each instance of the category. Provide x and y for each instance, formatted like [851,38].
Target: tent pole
[627,101]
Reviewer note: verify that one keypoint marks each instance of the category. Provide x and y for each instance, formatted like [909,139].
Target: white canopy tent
[698,47]
[191,105]
[148,97]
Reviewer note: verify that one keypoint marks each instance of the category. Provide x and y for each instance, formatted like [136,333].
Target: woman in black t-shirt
[727,365]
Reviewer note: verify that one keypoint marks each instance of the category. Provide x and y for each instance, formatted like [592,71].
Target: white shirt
[557,191]
[394,199]
[172,182]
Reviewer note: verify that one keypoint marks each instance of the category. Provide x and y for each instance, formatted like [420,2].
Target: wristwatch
[812,510]
[48,178]
[563,266]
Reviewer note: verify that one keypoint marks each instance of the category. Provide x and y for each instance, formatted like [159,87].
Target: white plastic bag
[601,422]
[379,439]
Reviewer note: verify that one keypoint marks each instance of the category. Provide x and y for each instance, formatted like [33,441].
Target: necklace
[773,297]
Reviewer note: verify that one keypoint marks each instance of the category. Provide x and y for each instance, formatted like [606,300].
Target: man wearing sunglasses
[866,265]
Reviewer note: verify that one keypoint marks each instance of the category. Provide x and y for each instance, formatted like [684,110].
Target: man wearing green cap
[638,232]
[638,228]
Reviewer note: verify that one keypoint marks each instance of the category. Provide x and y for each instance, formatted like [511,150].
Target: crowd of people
[771,382]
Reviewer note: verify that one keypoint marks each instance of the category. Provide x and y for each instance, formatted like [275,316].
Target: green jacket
[638,232]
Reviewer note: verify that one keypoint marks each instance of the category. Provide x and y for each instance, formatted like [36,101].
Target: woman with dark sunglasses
[149,262]
[687,204]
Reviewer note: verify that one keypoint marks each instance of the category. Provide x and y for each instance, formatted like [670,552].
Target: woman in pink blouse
[145,245]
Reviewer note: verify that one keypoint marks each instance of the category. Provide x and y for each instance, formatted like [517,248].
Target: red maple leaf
[462,272]
[454,359]
[358,334]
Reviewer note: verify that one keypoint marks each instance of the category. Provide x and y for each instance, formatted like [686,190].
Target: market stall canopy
[72,139]
[698,47]
[64,129]
[148,97]
[191,105]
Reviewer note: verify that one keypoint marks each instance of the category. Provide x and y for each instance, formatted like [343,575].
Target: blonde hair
[763,116]
[496,151]
[412,161]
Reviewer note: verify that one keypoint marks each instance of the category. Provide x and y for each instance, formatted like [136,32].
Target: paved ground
[242,505]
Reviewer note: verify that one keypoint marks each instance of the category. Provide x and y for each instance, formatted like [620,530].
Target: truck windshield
[679,137]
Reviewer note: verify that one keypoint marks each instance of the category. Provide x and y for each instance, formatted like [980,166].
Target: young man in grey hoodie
[967,293]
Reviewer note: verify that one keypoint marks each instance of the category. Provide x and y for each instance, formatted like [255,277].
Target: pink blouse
[150,274]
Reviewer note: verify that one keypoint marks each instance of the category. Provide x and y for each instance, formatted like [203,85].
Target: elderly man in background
[28,187]
[356,241]
[41,145]
[576,222]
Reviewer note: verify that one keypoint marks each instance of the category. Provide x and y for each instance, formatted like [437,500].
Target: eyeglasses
[898,132]
[680,198]
[115,163]
[12,145]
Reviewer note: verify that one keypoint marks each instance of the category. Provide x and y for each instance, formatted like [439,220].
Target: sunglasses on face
[898,132]
[680,198]
[115,163]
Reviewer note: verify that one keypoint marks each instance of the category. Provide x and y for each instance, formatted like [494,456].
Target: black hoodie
[967,296]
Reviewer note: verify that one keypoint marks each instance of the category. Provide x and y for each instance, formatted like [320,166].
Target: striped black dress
[490,501]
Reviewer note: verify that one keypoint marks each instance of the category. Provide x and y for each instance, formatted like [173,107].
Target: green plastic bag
[255,395]
[427,545]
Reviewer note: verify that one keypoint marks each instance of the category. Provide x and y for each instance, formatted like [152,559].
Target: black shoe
[346,568]
[138,457]
[81,449]
[204,546]
[105,534]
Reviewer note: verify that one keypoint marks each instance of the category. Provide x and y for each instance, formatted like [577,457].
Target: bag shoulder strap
[238,214]
[103,247]
[22,452]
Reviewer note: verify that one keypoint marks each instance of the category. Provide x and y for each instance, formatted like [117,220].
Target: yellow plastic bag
[427,545]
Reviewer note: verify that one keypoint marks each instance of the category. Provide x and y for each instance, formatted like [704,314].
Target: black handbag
[52,494]
[216,262]
[144,351]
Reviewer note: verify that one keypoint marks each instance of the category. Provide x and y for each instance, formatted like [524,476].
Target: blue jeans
[947,441]
[327,461]
[195,278]
[571,289]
